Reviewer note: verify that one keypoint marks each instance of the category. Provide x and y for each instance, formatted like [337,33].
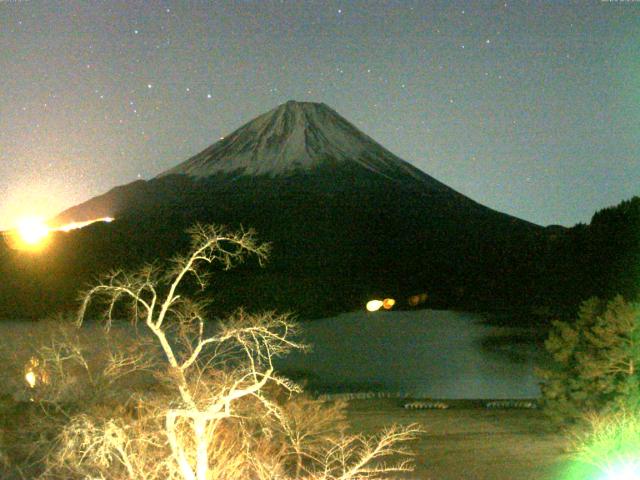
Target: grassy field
[470,443]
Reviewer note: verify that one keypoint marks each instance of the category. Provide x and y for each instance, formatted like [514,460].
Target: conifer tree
[596,364]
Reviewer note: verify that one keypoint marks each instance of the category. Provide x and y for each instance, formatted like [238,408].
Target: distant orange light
[416,300]
[35,373]
[388,303]
[30,377]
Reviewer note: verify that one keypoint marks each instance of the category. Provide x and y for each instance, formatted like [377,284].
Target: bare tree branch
[215,376]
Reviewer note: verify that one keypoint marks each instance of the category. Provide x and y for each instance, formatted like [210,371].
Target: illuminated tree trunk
[257,339]
[178,452]
[202,458]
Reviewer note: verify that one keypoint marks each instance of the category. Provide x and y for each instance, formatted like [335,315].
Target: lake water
[426,353]
[437,354]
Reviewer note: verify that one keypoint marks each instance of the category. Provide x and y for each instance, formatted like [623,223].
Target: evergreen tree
[596,364]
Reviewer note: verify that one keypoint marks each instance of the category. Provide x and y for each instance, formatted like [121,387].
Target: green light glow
[609,450]
[623,471]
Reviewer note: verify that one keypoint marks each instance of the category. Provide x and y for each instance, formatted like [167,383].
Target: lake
[426,353]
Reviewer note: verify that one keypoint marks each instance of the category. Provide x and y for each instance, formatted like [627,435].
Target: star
[188,47]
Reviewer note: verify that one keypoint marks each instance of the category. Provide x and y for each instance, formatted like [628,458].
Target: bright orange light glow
[388,303]
[30,377]
[32,230]
[374,305]
[34,373]
[32,233]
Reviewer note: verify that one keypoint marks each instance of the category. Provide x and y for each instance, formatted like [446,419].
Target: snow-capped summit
[294,137]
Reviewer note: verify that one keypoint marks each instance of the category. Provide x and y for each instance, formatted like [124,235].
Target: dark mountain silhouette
[348,221]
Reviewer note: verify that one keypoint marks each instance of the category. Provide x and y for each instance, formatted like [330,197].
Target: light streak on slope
[76,225]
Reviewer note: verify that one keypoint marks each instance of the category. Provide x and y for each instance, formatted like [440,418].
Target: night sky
[530,108]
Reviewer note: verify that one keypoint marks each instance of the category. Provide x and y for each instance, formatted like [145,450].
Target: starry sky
[530,108]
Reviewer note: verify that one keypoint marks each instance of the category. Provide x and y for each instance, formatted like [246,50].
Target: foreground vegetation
[596,361]
[177,400]
[593,389]
[173,396]
[468,442]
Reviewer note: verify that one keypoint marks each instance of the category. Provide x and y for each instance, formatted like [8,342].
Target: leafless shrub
[360,457]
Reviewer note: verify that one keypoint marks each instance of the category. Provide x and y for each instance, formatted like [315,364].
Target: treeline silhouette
[333,253]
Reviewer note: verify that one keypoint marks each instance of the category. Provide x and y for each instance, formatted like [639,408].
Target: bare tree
[220,375]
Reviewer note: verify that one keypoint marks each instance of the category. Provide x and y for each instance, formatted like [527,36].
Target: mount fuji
[348,221]
[296,140]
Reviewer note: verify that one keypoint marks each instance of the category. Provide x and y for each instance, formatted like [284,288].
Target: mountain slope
[297,146]
[297,137]
[348,220]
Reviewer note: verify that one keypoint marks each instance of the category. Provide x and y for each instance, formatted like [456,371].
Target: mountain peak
[293,137]
[297,104]
[301,107]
